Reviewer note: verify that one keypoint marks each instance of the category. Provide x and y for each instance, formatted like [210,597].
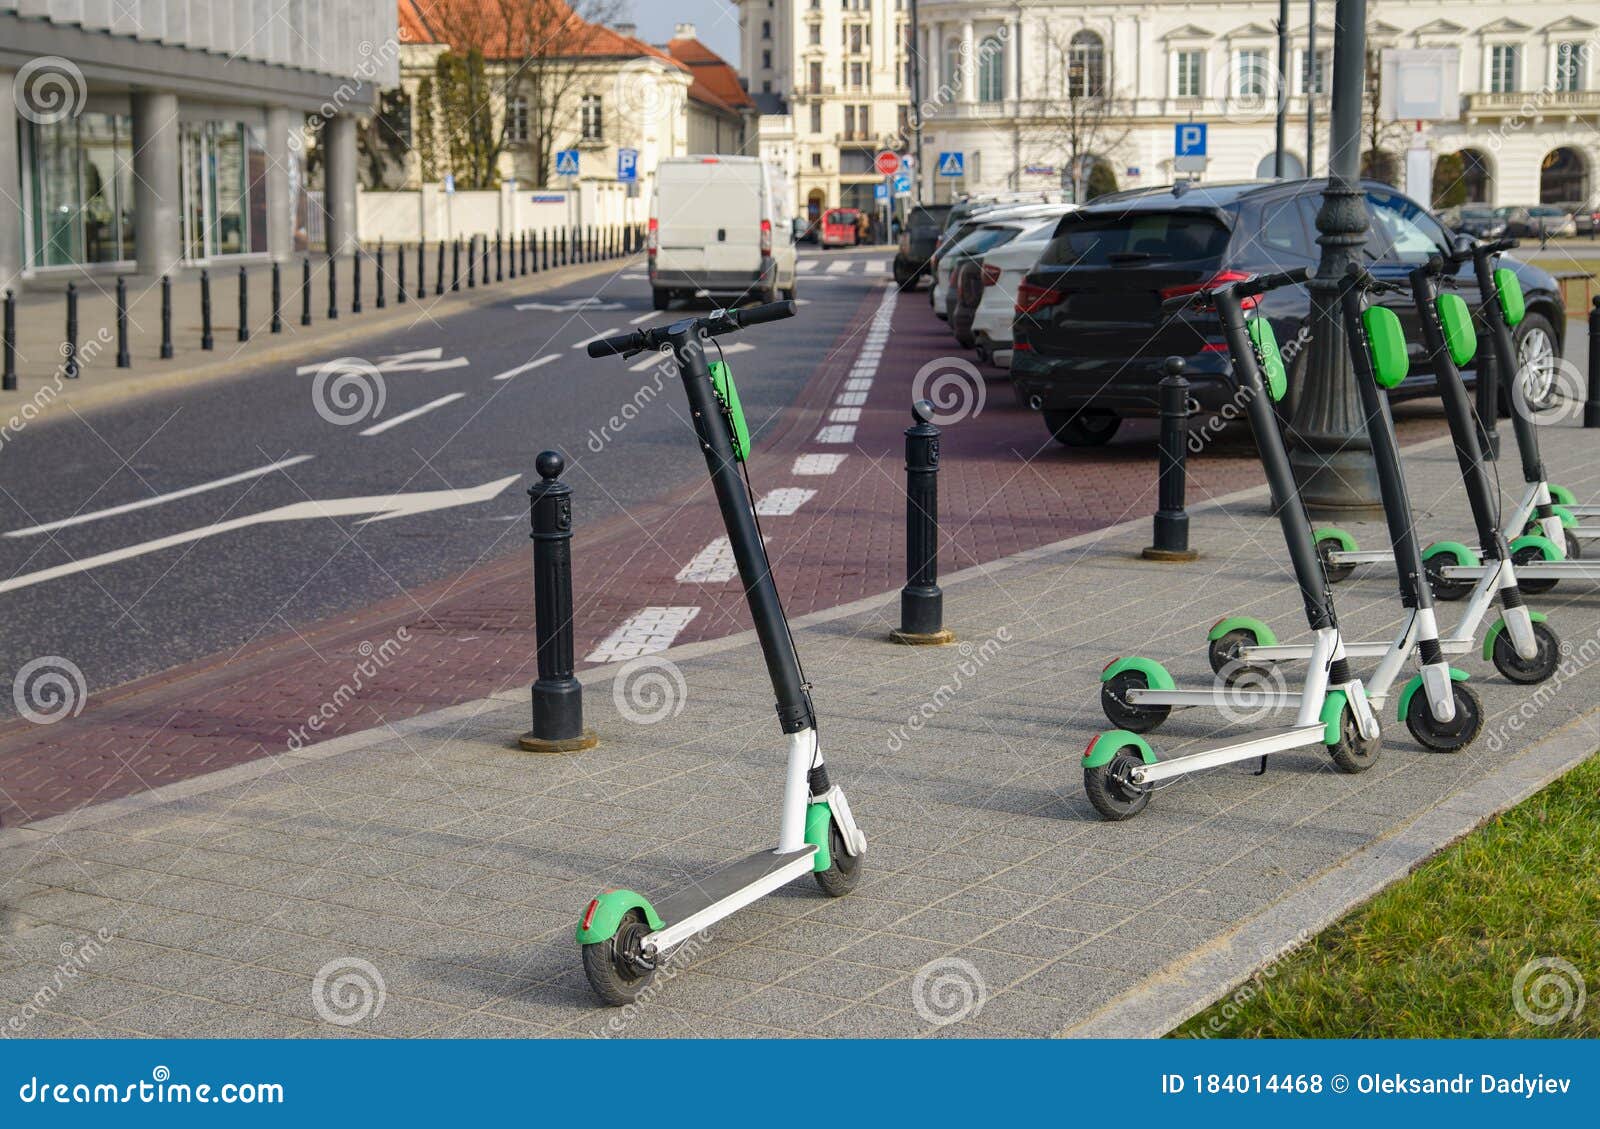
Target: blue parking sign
[627,165]
[566,162]
[1189,139]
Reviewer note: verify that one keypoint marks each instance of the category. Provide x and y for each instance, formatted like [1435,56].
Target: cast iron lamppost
[1332,456]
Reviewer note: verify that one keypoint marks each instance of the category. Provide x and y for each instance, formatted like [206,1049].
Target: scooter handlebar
[1358,276]
[756,315]
[613,346]
[722,321]
[1261,283]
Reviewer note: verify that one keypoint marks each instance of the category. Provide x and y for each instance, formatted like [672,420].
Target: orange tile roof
[715,82]
[481,24]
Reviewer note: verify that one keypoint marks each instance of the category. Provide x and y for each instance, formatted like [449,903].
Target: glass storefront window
[256,173]
[224,189]
[80,184]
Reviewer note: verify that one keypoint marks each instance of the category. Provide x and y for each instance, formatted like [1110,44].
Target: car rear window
[985,239]
[1159,237]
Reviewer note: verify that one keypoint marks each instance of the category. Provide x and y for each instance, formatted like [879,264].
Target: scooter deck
[1226,750]
[724,891]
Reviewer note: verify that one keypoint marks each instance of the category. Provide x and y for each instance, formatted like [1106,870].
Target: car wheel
[1538,363]
[660,299]
[1082,429]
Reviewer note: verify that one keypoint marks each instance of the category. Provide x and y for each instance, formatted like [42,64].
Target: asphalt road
[149,534]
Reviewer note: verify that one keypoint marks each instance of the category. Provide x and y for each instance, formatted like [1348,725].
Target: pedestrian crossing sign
[566,162]
[952,164]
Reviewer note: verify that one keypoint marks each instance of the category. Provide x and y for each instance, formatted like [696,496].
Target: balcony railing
[1534,102]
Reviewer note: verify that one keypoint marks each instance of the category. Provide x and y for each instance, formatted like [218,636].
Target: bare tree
[1383,140]
[1083,121]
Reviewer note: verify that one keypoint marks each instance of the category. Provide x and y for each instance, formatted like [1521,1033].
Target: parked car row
[1547,221]
[1069,299]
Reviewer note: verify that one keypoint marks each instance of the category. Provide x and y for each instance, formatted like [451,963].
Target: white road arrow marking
[418,360]
[533,364]
[570,306]
[377,507]
[406,417]
[143,503]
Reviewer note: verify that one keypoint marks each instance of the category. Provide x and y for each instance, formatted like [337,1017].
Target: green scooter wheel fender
[1500,625]
[1547,548]
[1561,496]
[1333,708]
[605,913]
[819,821]
[1416,684]
[1107,745]
[1156,676]
[1346,542]
[1561,513]
[1455,549]
[1264,635]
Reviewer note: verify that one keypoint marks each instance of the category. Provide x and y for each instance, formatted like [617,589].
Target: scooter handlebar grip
[1264,282]
[770,311]
[614,346]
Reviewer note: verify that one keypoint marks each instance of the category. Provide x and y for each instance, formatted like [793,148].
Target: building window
[1086,66]
[991,70]
[849,122]
[816,117]
[855,39]
[766,60]
[79,173]
[815,76]
[816,160]
[816,35]
[1191,73]
[766,29]
[1571,60]
[517,119]
[1503,68]
[1250,73]
[950,66]
[592,124]
[904,119]
[1313,78]
[856,73]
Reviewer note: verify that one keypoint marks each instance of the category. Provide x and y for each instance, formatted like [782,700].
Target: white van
[719,225]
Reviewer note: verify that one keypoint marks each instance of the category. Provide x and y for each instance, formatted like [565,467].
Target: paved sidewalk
[434,859]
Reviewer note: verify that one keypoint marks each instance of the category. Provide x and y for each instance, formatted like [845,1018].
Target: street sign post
[628,165]
[1189,147]
[887,163]
[952,164]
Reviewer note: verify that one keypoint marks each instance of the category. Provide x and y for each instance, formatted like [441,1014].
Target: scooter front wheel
[616,967]
[1546,656]
[1123,713]
[844,870]
[1446,736]
[1111,789]
[1354,753]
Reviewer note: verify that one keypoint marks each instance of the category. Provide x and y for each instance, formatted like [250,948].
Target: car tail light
[1031,298]
[1221,278]
[991,274]
[654,235]
[766,237]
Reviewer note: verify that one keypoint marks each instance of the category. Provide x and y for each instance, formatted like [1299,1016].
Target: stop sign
[888,162]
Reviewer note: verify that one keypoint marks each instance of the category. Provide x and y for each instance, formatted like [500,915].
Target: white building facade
[1018,89]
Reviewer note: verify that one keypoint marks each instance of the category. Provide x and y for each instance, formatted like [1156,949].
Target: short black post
[356,256]
[472,261]
[277,299]
[546,249]
[557,695]
[499,262]
[1172,520]
[438,272]
[523,254]
[380,301]
[123,359]
[206,341]
[1591,406]
[455,264]
[422,275]
[69,349]
[333,287]
[921,601]
[485,253]
[167,350]
[244,306]
[305,290]
[1488,395]
[8,380]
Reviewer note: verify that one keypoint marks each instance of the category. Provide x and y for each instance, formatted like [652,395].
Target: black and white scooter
[624,936]
[1120,770]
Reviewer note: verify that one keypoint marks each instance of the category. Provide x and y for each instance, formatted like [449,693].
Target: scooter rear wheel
[1334,572]
[1443,587]
[616,967]
[1124,714]
[1446,736]
[1225,654]
[1528,555]
[1354,753]
[844,870]
[1111,791]
[1525,672]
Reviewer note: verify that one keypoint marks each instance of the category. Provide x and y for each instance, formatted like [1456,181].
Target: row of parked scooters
[1535,547]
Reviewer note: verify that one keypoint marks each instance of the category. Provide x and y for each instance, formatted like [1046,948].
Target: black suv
[1090,337]
[917,243]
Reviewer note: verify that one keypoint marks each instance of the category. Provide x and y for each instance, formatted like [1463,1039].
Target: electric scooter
[624,936]
[1539,528]
[1120,770]
[1446,716]
[1521,644]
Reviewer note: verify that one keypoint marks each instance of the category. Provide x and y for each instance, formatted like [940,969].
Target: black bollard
[277,299]
[557,695]
[379,300]
[438,272]
[69,349]
[1172,520]
[455,264]
[400,282]
[8,345]
[305,291]
[472,261]
[523,255]
[485,271]
[333,287]
[1591,406]
[1488,395]
[206,341]
[921,601]
[244,306]
[355,279]
[499,263]
[546,250]
[123,360]
[166,318]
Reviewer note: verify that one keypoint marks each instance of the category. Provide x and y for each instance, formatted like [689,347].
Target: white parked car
[937,294]
[1003,271]
[719,226]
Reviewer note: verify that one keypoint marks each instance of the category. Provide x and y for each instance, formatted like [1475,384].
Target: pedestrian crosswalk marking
[645,632]
[837,433]
[841,266]
[816,464]
[783,501]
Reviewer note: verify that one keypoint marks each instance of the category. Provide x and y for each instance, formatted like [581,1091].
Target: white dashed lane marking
[644,632]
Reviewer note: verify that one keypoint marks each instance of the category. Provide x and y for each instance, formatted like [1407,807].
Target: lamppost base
[938,638]
[1171,556]
[585,740]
